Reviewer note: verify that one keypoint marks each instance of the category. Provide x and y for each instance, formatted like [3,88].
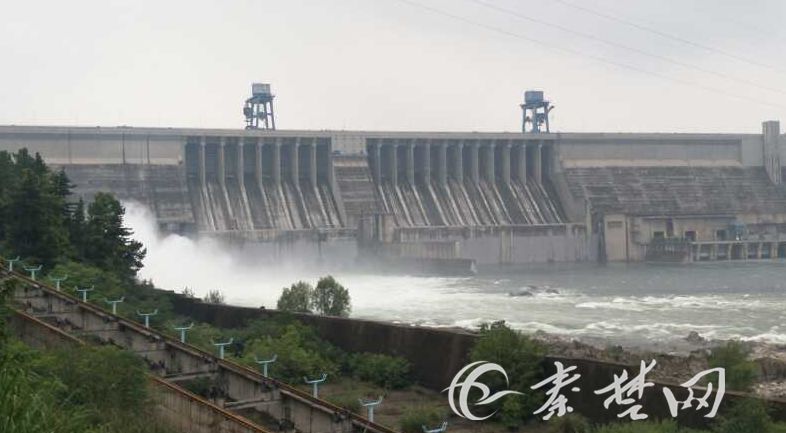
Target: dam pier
[486,198]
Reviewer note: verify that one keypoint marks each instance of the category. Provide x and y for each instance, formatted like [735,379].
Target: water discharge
[625,304]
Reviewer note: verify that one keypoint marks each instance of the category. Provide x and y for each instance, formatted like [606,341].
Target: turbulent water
[624,304]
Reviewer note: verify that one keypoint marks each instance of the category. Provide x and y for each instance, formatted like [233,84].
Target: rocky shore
[678,361]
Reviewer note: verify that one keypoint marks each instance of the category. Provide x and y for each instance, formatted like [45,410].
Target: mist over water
[625,304]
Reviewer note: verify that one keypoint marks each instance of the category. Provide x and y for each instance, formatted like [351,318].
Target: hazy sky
[387,64]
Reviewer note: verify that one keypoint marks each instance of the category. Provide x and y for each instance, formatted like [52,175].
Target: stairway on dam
[356,186]
[677,190]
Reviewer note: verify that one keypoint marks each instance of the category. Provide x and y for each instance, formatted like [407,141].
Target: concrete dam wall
[424,182]
[217,181]
[488,197]
[291,183]
[238,184]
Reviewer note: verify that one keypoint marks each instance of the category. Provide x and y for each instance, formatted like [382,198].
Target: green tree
[297,298]
[8,179]
[77,229]
[522,359]
[61,188]
[331,298]
[109,243]
[34,226]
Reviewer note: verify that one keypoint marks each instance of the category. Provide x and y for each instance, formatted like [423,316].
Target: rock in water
[694,338]
[523,291]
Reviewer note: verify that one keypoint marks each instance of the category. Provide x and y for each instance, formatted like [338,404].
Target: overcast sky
[391,65]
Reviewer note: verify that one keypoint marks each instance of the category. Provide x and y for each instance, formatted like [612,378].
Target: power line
[590,56]
[670,36]
[626,47]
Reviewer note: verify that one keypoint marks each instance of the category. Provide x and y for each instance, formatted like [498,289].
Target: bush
[350,403]
[107,285]
[103,378]
[777,427]
[745,416]
[297,298]
[390,372]
[522,359]
[741,373]
[642,427]
[299,353]
[93,390]
[569,424]
[202,335]
[28,402]
[7,288]
[331,298]
[413,421]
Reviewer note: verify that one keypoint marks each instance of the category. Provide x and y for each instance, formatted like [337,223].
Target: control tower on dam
[489,197]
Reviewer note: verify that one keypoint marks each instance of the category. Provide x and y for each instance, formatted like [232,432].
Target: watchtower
[258,109]
[535,111]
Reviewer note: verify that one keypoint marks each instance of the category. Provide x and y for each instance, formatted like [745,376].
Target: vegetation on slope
[86,389]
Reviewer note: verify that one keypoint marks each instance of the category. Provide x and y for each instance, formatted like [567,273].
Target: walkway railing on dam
[286,406]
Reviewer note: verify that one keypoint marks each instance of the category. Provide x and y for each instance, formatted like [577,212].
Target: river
[631,304]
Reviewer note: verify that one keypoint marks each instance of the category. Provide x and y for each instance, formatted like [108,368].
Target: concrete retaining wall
[187,412]
[437,355]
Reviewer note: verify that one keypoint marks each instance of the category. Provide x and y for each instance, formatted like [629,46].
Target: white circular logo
[478,369]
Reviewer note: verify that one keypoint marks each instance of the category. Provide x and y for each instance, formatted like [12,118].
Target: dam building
[507,197]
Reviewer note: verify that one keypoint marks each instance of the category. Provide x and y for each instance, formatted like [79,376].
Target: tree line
[42,222]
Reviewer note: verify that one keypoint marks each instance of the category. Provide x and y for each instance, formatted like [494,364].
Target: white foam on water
[583,306]
[614,304]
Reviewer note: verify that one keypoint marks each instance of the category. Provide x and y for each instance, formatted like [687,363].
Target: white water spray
[626,304]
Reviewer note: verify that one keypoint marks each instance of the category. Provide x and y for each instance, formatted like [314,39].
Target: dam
[501,198]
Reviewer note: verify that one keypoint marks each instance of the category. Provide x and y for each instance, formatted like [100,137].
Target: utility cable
[670,36]
[626,47]
[589,56]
